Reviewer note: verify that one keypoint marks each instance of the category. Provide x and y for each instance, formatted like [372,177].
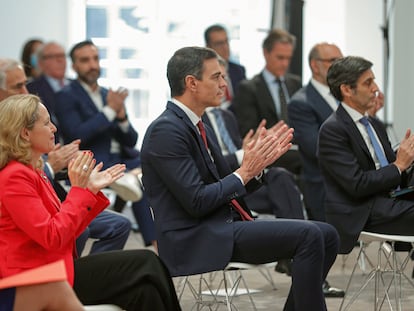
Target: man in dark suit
[202,222]
[52,63]
[266,95]
[308,109]
[359,167]
[215,37]
[97,116]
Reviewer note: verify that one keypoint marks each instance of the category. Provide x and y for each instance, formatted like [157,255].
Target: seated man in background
[267,94]
[216,38]
[279,194]
[359,167]
[201,219]
[308,109]
[98,117]
[109,229]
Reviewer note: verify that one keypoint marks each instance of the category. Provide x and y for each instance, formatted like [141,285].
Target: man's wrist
[122,119]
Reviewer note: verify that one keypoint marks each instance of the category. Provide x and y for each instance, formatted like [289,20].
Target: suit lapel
[322,108]
[84,97]
[206,156]
[353,130]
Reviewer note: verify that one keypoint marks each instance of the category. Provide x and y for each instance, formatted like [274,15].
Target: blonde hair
[16,113]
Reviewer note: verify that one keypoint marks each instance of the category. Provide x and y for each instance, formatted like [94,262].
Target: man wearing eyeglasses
[307,110]
[216,38]
[52,63]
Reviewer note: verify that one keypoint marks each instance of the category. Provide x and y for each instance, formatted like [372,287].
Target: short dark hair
[278,36]
[78,46]
[210,29]
[187,61]
[347,71]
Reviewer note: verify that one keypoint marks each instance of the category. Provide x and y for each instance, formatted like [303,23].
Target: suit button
[229,221]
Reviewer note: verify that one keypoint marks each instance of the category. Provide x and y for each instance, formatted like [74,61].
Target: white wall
[21,20]
[402,65]
[353,25]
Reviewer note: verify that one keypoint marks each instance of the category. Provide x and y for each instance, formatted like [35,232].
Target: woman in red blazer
[36,228]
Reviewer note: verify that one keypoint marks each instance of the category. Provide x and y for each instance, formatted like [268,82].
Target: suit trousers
[131,279]
[279,195]
[111,231]
[291,161]
[314,197]
[312,246]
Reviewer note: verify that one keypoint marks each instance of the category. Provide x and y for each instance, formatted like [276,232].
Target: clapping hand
[264,150]
[101,179]
[84,174]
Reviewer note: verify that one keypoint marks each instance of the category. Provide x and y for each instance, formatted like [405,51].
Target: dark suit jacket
[79,118]
[190,194]
[41,87]
[253,102]
[355,190]
[307,111]
[237,74]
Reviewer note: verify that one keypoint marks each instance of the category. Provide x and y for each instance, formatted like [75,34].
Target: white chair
[387,272]
[226,289]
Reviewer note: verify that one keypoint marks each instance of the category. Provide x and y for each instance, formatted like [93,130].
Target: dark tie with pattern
[243,214]
[282,101]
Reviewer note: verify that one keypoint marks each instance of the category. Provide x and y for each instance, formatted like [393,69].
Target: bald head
[52,60]
[321,57]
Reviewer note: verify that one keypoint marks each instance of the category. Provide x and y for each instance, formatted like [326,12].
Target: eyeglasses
[327,60]
[219,43]
[54,56]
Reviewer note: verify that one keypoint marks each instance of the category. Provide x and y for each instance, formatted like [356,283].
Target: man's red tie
[243,214]
[200,126]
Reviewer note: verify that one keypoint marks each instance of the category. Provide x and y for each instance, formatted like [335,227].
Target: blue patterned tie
[375,143]
[224,133]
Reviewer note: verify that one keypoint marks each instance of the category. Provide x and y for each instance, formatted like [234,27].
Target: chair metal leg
[387,274]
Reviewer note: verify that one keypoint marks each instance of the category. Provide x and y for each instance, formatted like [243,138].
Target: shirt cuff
[239,177]
[51,171]
[239,156]
[109,113]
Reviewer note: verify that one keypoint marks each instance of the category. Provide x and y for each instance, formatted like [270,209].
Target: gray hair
[278,36]
[7,64]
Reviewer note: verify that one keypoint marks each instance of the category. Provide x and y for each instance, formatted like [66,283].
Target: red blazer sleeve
[30,202]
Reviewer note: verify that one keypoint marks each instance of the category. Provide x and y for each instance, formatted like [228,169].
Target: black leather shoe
[332,292]
[284,266]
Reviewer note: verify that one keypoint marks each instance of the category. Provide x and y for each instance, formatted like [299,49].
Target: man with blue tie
[201,219]
[359,167]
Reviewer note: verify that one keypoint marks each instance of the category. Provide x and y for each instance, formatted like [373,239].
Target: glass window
[137,37]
